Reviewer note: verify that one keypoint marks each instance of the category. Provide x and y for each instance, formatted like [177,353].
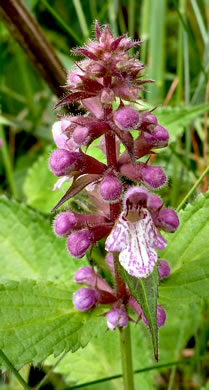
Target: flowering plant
[129,276]
[132,226]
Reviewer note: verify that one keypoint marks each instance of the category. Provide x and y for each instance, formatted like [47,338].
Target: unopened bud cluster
[129,218]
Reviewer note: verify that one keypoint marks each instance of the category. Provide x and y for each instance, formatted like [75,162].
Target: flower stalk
[126,358]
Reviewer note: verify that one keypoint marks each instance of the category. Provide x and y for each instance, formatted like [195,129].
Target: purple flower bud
[63,223]
[148,121]
[60,160]
[159,137]
[163,269]
[126,118]
[154,177]
[110,188]
[80,135]
[167,219]
[78,243]
[117,318]
[154,203]
[161,317]
[85,275]
[1,143]
[85,298]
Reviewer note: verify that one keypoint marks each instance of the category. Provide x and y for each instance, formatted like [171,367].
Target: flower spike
[120,206]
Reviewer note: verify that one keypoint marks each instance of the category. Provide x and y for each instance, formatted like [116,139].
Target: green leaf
[146,291]
[38,319]
[190,241]
[188,284]
[29,248]
[85,366]
[180,326]
[175,119]
[188,254]
[39,183]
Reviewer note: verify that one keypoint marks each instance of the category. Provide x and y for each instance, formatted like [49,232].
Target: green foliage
[188,253]
[175,119]
[39,183]
[179,327]
[29,247]
[190,242]
[190,283]
[38,319]
[86,367]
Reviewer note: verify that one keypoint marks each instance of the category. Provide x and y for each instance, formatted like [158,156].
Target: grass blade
[112,13]
[62,24]
[156,51]
[7,163]
[144,31]
[150,368]
[13,370]
[199,21]
[81,18]
[131,18]
[193,189]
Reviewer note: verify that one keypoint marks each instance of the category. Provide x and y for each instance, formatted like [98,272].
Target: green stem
[7,163]
[193,188]
[14,371]
[126,358]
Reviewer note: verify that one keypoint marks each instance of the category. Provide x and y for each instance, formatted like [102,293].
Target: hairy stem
[126,358]
[120,287]
[119,283]
[114,208]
